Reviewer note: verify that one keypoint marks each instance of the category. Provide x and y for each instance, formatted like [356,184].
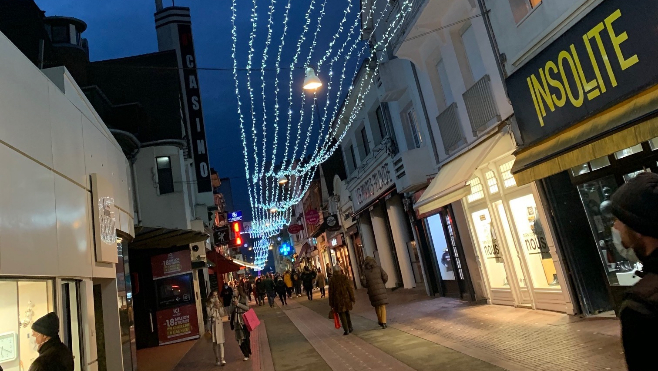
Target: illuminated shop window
[492,182]
[599,163]
[506,173]
[629,176]
[477,191]
[628,151]
[653,143]
[580,169]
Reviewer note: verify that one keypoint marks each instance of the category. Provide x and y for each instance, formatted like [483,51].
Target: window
[506,173]
[60,34]
[628,151]
[473,54]
[414,128]
[492,182]
[352,157]
[165,176]
[477,191]
[445,83]
[381,124]
[521,8]
[364,141]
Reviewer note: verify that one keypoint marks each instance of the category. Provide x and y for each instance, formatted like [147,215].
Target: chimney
[158,5]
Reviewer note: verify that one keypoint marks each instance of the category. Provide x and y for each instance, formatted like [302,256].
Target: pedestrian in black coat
[227,295]
[635,235]
[308,278]
[53,354]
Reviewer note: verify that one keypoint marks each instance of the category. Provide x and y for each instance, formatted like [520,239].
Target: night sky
[120,28]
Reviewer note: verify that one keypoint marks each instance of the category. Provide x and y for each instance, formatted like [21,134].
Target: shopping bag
[250,320]
[336,321]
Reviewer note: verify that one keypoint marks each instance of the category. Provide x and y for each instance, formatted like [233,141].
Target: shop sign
[177,324]
[105,231]
[196,129]
[221,236]
[337,241]
[246,227]
[235,216]
[332,223]
[171,264]
[295,228]
[373,185]
[607,57]
[312,217]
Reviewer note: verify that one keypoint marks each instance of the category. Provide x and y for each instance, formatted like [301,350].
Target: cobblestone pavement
[512,338]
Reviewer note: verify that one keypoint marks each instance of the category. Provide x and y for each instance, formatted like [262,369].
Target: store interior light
[311,81]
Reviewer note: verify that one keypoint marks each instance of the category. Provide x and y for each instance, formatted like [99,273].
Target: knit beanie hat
[636,204]
[47,325]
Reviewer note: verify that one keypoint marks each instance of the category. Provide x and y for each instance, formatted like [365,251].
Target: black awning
[154,237]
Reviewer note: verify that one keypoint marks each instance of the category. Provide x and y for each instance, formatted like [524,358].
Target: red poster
[166,265]
[177,324]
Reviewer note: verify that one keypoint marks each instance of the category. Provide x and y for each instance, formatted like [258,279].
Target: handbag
[250,320]
[336,321]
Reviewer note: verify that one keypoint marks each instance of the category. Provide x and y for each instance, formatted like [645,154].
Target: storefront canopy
[624,125]
[223,264]
[150,237]
[450,184]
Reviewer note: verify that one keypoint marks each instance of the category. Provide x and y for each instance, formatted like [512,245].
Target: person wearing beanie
[635,236]
[53,354]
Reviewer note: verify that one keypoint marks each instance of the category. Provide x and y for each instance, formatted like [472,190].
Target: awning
[624,125]
[223,265]
[150,237]
[244,264]
[450,184]
[305,250]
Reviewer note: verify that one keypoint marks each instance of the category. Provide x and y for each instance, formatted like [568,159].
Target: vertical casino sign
[197,131]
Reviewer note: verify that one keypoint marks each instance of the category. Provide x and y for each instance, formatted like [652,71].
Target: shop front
[581,149]
[514,250]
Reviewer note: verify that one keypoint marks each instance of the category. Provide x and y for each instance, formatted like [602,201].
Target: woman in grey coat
[238,308]
[374,279]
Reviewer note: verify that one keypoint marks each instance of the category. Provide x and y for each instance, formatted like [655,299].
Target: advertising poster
[171,264]
[177,324]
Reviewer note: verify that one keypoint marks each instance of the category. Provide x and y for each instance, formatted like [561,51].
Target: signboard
[372,186]
[177,324]
[246,227]
[196,128]
[312,217]
[235,216]
[105,231]
[332,223]
[171,264]
[605,58]
[221,236]
[295,228]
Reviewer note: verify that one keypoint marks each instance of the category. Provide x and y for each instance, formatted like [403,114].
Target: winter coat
[227,295]
[280,287]
[341,293]
[287,279]
[639,317]
[53,356]
[216,324]
[374,278]
[260,286]
[320,280]
[236,321]
[269,286]
[307,278]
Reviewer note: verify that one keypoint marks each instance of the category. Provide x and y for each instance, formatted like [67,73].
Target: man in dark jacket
[635,235]
[308,278]
[227,295]
[270,289]
[53,354]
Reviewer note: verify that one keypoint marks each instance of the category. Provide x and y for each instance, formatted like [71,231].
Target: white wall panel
[67,143]
[75,248]
[95,148]
[27,216]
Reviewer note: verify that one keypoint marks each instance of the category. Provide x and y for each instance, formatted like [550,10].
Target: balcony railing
[450,128]
[480,105]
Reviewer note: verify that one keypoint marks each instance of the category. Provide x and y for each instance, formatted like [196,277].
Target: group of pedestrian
[217,308]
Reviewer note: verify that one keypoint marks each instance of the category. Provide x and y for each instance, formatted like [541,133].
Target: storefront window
[506,174]
[477,192]
[532,236]
[510,242]
[21,303]
[595,197]
[440,247]
[653,143]
[492,182]
[628,151]
[490,248]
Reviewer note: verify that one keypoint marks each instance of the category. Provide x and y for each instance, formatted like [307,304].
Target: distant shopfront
[592,128]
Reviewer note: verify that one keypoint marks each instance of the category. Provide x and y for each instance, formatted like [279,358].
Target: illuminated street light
[283,179]
[311,81]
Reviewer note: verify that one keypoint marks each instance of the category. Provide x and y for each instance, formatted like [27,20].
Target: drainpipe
[427,118]
[494,44]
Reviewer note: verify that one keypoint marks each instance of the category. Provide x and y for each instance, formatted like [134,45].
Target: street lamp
[273,210]
[311,81]
[283,179]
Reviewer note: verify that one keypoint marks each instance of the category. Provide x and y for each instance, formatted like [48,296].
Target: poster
[177,324]
[171,264]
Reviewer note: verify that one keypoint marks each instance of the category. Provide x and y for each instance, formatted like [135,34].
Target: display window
[174,291]
[21,303]
[520,277]
[440,247]
[491,250]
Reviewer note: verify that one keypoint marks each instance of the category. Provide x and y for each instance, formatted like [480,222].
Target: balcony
[411,169]
[481,106]
[409,21]
[450,129]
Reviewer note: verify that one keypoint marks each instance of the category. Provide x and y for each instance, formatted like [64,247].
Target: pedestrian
[260,289]
[281,290]
[238,308]
[308,278]
[247,288]
[321,283]
[53,354]
[341,298]
[216,313]
[329,271]
[287,279]
[374,278]
[297,282]
[270,290]
[635,236]
[227,295]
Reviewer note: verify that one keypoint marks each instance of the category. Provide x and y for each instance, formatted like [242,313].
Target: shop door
[71,335]
[450,277]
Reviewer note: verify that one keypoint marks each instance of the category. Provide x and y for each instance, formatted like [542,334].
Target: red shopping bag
[336,321]
[250,320]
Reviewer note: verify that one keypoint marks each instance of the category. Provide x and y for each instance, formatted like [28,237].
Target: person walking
[260,290]
[282,290]
[247,288]
[321,283]
[374,278]
[242,336]
[308,278]
[635,236]
[270,290]
[329,271]
[341,298]
[297,282]
[216,313]
[287,279]
[227,295]
[53,354]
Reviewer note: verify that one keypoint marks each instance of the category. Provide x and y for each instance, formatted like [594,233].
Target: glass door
[71,321]
[517,274]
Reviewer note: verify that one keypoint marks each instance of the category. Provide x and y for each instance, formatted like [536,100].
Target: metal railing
[450,128]
[480,105]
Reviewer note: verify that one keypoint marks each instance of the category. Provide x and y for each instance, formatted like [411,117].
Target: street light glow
[311,81]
